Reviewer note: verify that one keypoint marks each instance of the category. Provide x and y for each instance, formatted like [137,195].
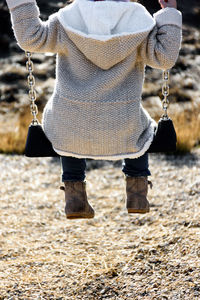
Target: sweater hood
[106,32]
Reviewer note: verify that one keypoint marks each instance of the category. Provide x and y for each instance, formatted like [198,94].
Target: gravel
[113,256]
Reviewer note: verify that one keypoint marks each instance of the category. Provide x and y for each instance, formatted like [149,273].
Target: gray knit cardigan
[102,49]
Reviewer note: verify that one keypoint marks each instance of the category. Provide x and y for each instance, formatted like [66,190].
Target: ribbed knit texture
[95,110]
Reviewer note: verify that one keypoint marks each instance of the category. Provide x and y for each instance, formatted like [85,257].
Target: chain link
[165,93]
[32,92]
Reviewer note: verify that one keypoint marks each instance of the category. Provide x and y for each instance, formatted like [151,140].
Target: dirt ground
[113,256]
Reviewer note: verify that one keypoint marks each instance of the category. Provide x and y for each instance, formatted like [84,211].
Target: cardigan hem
[114,156]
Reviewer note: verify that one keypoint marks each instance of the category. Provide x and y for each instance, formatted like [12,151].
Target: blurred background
[184,97]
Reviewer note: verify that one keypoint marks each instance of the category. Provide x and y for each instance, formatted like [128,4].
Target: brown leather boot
[77,206]
[136,190]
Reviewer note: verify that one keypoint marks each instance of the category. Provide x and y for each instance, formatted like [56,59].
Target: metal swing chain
[165,93]
[32,91]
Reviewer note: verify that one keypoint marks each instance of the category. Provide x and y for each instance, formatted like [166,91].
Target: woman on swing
[95,111]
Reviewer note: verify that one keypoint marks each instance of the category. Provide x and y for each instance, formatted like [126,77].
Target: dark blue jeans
[74,169]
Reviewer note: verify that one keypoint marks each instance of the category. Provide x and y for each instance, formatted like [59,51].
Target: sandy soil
[113,256]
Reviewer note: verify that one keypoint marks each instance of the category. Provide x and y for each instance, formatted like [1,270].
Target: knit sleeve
[160,49]
[33,34]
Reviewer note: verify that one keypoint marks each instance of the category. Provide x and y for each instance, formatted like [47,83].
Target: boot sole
[79,216]
[139,211]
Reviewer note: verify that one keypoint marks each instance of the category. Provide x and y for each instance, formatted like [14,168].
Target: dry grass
[14,141]
[187,125]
